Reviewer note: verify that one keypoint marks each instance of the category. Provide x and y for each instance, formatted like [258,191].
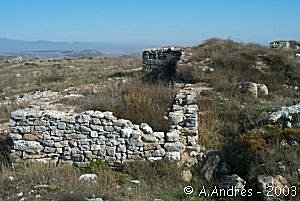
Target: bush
[97,167]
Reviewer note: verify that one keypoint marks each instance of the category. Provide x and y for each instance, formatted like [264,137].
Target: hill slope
[10,45]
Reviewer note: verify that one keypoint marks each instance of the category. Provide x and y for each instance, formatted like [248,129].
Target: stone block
[121,148]
[49,150]
[172,136]
[94,134]
[23,145]
[172,156]
[159,153]
[126,132]
[149,138]
[33,137]
[175,118]
[151,146]
[62,125]
[15,136]
[146,128]
[82,119]
[173,146]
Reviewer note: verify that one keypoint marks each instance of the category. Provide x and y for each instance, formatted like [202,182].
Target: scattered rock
[20,194]
[93,199]
[186,176]
[137,182]
[88,177]
[281,166]
[10,178]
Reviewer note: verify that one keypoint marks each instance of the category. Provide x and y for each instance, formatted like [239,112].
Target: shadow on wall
[161,64]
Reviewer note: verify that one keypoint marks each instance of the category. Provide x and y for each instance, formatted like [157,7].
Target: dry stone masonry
[81,138]
[162,62]
[42,134]
[45,135]
[184,116]
[285,44]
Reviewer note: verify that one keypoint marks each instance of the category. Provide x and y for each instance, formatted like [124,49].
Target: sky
[161,22]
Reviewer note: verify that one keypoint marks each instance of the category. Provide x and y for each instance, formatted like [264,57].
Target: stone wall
[292,45]
[184,115]
[162,62]
[82,138]
[41,134]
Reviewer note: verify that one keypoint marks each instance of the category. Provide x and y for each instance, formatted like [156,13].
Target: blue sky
[162,22]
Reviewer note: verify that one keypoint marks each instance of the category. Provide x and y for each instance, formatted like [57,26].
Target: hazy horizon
[157,22]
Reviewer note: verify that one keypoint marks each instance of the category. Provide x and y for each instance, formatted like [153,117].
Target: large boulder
[265,182]
[253,89]
[262,90]
[212,164]
[249,88]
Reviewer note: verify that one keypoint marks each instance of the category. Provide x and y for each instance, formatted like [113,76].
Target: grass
[158,180]
[135,100]
[228,116]
[234,62]
[77,75]
[4,152]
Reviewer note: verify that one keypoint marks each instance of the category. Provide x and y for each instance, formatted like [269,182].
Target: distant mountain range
[11,45]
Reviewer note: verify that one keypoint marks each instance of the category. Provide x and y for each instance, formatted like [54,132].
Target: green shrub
[97,167]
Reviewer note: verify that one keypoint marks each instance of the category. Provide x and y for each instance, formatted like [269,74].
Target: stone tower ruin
[162,63]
